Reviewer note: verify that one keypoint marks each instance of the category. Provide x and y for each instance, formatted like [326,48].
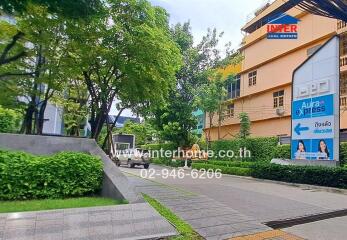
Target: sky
[225,15]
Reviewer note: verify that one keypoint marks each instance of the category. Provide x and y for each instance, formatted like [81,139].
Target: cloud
[225,15]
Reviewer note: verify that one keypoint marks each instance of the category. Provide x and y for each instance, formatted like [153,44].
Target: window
[230,112]
[234,88]
[278,99]
[343,102]
[252,78]
[343,84]
[343,44]
[312,50]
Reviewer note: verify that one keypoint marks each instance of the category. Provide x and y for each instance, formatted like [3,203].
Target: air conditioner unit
[280,111]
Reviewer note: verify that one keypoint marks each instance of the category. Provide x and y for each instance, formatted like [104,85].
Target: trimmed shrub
[282,152]
[343,153]
[66,174]
[261,148]
[239,171]
[9,120]
[322,176]
[232,163]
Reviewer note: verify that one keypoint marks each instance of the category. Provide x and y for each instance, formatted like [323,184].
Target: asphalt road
[264,201]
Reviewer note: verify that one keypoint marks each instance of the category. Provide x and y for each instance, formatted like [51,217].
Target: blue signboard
[315,106]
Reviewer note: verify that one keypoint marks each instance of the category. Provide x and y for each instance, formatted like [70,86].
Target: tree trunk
[41,117]
[111,128]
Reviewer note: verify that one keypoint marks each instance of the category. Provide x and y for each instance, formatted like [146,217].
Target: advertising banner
[315,106]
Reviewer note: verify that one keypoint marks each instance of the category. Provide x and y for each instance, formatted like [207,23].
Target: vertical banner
[315,106]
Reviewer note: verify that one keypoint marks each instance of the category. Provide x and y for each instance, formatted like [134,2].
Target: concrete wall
[115,184]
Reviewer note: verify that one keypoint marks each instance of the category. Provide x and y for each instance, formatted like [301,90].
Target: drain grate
[305,219]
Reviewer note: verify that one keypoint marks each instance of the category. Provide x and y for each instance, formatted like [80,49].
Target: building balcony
[341,26]
[343,63]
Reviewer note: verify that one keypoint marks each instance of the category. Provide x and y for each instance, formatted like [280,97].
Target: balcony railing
[343,101]
[341,24]
[343,61]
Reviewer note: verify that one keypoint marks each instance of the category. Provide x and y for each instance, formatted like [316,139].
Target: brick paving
[269,235]
[212,220]
[123,222]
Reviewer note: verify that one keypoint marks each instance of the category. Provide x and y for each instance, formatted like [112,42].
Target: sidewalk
[210,219]
[122,222]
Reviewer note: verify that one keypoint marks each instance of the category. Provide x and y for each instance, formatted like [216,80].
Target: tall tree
[210,100]
[175,119]
[125,53]
[12,49]
[44,64]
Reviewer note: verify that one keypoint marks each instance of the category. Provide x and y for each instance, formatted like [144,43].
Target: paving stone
[132,221]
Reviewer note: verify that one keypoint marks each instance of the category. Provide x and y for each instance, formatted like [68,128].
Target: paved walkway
[269,235]
[210,219]
[122,222]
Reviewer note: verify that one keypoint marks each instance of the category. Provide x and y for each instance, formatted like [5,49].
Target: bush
[225,170]
[66,174]
[322,176]
[343,153]
[9,120]
[282,152]
[232,163]
[261,148]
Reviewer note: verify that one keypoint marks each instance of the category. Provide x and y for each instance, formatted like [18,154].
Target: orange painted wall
[275,61]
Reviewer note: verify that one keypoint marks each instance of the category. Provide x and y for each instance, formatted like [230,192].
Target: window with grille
[252,78]
[343,84]
[278,99]
[343,102]
[343,44]
[230,111]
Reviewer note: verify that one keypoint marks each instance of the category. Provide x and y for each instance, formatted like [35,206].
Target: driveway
[262,200]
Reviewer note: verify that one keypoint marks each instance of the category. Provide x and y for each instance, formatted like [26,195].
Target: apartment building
[263,85]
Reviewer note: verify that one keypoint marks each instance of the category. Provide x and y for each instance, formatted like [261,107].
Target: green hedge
[282,152]
[66,174]
[9,120]
[239,171]
[232,163]
[323,176]
[343,153]
[261,148]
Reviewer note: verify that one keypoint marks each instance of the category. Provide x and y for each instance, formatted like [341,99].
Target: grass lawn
[50,204]
[185,230]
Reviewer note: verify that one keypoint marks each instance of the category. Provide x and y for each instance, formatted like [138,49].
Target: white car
[132,158]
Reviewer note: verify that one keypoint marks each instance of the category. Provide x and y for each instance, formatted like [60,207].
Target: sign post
[316,108]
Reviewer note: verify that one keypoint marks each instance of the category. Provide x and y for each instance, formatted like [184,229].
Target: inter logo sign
[282,26]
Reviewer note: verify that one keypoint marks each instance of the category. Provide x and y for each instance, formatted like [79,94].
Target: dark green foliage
[322,176]
[261,148]
[282,152]
[245,125]
[232,163]
[239,171]
[66,174]
[343,153]
[70,9]
[9,120]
